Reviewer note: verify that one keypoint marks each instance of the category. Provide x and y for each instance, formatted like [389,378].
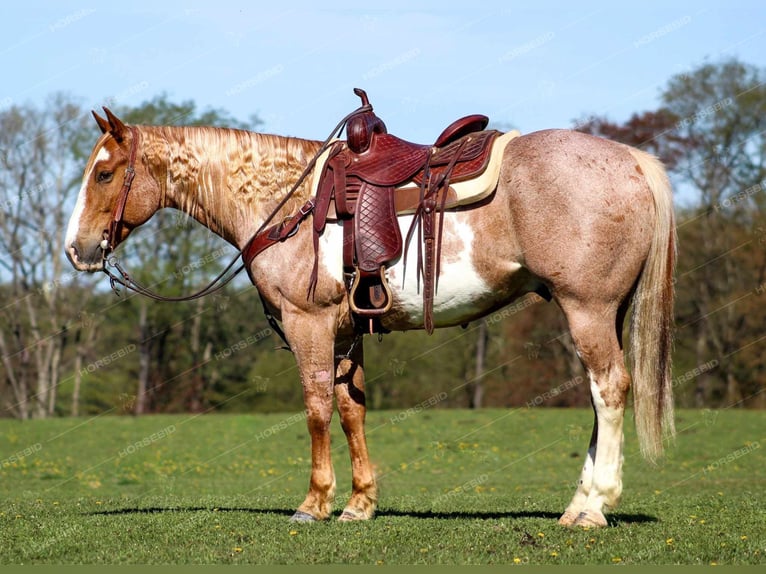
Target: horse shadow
[615,519]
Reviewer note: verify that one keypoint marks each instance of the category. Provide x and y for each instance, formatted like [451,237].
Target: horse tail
[651,336]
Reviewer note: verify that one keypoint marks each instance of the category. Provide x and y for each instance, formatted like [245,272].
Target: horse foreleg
[596,341]
[311,338]
[349,394]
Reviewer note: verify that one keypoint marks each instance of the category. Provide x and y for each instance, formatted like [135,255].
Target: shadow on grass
[614,519]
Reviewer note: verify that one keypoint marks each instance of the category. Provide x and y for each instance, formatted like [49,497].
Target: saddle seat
[374,176]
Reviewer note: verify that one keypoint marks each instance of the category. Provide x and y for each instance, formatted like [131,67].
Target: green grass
[457,487]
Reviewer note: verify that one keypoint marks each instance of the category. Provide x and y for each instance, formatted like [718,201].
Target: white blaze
[74,220]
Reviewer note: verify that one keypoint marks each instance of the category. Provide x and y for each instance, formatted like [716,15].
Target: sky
[527,65]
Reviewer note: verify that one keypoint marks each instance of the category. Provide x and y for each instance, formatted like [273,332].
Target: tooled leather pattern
[377,235]
[472,161]
[389,161]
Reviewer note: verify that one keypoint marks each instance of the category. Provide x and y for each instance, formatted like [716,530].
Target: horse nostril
[74,254]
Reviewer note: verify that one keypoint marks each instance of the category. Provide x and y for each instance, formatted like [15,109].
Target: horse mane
[222,175]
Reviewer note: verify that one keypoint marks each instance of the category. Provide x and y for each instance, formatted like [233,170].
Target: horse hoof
[301,516]
[351,516]
[568,518]
[590,519]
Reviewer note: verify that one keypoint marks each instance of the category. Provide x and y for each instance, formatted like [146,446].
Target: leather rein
[263,238]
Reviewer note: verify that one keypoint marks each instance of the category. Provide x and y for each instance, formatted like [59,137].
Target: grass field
[457,487]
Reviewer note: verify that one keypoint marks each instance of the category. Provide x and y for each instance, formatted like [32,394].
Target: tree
[42,151]
[722,111]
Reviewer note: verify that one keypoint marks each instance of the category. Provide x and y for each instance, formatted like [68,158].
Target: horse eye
[104,177]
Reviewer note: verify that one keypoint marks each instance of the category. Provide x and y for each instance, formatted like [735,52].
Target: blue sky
[529,65]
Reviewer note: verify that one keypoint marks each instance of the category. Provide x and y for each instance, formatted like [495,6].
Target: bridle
[111,237]
[264,237]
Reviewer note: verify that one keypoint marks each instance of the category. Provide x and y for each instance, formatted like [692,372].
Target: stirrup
[378,293]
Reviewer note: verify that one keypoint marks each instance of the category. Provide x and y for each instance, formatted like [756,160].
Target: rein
[262,239]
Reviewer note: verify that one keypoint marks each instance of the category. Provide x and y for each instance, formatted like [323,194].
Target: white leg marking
[583,486]
[606,486]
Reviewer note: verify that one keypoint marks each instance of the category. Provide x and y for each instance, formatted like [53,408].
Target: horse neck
[228,180]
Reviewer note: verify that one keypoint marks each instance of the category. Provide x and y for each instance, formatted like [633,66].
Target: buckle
[310,205]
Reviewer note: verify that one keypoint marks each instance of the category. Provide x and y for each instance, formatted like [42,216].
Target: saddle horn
[360,128]
[362,94]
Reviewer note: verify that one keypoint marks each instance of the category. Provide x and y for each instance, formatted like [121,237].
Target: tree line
[70,346]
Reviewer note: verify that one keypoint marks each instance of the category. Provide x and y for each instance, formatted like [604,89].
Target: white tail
[651,335]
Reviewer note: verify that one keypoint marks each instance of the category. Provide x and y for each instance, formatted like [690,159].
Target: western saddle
[370,178]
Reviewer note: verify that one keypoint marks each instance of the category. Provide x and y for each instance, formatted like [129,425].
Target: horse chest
[462,291]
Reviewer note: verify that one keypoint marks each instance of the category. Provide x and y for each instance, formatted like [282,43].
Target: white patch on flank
[74,221]
[459,287]
[331,250]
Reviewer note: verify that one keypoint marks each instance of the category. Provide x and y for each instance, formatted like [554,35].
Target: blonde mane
[225,178]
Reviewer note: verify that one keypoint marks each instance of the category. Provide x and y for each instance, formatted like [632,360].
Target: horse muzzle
[90,260]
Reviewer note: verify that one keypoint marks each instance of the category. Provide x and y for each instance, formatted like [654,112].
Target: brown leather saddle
[360,179]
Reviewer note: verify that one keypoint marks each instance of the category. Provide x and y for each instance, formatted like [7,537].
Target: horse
[584,221]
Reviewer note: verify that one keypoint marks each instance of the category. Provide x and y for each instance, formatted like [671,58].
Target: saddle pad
[467,191]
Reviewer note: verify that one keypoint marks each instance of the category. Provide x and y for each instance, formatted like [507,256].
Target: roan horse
[585,221]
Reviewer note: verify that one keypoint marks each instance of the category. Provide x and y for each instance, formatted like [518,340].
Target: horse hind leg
[580,497]
[349,395]
[596,340]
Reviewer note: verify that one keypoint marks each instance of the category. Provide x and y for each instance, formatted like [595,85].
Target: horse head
[88,236]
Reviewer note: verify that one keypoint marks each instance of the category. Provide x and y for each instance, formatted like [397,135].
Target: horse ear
[102,123]
[116,127]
